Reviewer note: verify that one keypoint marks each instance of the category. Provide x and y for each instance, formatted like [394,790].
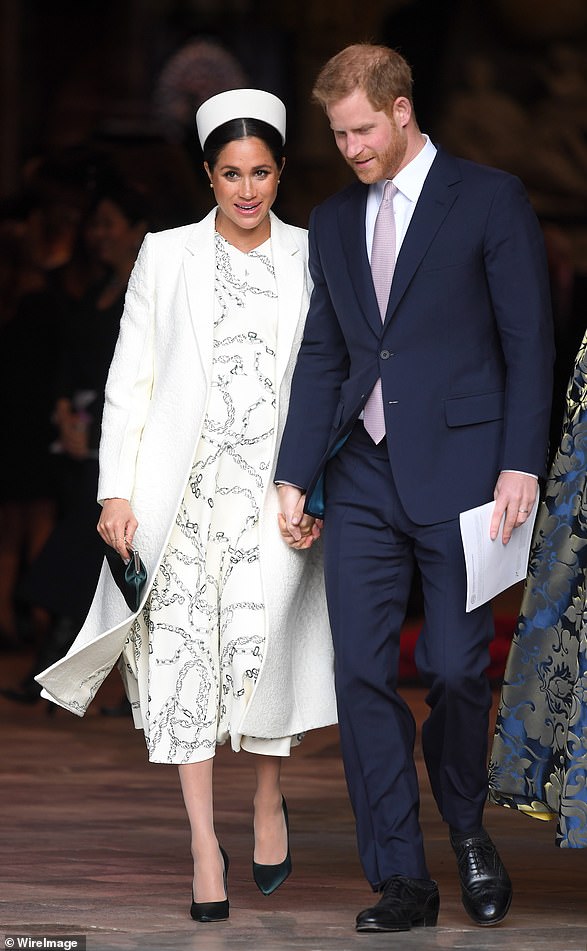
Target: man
[409,406]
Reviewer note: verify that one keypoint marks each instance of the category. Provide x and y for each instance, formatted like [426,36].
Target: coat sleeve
[129,384]
[321,368]
[517,275]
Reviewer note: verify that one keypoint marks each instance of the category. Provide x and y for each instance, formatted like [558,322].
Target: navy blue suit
[465,358]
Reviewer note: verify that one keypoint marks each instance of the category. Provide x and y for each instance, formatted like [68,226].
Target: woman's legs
[196,786]
[271,843]
[269,822]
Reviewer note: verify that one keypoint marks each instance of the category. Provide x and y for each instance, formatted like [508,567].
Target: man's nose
[354,145]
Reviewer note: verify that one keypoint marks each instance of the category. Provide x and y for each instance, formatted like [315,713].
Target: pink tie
[382,267]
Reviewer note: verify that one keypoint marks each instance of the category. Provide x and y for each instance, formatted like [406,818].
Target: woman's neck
[240,238]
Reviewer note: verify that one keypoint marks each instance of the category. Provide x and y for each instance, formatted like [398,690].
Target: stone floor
[94,842]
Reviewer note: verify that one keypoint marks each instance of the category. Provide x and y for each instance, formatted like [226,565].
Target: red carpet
[504,629]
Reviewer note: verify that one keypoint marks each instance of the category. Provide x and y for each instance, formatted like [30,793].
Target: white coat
[156,398]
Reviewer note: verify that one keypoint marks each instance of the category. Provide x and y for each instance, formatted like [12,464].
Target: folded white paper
[492,566]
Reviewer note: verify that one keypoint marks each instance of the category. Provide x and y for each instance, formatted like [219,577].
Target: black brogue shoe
[405,903]
[486,888]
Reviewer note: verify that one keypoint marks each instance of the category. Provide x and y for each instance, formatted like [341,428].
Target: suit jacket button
[385,354]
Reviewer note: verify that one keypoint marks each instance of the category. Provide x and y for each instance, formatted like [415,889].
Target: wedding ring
[524,511]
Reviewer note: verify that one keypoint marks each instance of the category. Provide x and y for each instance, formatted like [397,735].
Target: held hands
[515,494]
[297,529]
[117,525]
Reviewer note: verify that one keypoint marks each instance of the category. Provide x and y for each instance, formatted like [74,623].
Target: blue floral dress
[539,758]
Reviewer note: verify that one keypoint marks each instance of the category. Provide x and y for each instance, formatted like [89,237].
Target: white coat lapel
[199,284]
[289,264]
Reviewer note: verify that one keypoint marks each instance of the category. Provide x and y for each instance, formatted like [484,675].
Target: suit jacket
[156,398]
[465,352]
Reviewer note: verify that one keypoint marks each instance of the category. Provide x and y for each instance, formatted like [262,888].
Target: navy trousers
[370,548]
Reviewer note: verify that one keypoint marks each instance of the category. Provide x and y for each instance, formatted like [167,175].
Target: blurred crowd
[68,242]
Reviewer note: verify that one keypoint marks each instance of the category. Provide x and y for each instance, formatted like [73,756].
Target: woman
[539,757]
[231,642]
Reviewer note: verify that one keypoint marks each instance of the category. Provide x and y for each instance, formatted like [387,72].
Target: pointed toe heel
[268,878]
[206,911]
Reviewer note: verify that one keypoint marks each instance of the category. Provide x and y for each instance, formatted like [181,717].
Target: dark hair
[242,129]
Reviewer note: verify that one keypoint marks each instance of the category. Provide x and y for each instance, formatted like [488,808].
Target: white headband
[240,104]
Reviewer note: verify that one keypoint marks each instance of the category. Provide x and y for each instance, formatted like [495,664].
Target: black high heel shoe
[213,910]
[268,878]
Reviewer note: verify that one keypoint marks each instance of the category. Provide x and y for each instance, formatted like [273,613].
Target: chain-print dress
[205,620]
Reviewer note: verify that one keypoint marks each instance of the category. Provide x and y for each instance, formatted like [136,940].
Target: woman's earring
[211,185]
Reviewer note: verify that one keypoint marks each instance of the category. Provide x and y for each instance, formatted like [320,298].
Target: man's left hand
[515,494]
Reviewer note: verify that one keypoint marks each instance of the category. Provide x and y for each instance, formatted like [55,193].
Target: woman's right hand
[117,525]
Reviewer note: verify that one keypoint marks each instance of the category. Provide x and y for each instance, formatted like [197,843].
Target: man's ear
[402,110]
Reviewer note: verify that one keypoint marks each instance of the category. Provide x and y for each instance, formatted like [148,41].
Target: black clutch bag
[130,577]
